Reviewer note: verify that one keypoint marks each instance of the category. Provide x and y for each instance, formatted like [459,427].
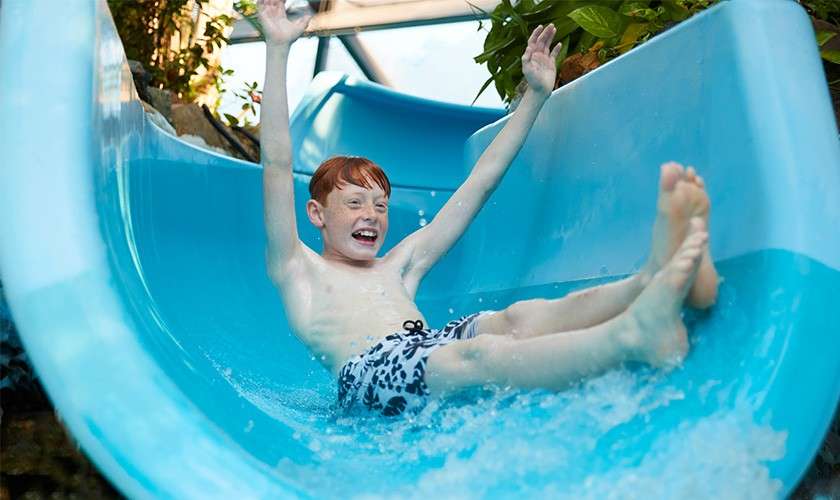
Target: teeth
[370,234]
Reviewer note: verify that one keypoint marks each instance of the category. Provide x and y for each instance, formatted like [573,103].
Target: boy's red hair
[338,171]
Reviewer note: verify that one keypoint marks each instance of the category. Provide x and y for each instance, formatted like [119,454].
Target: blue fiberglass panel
[133,263]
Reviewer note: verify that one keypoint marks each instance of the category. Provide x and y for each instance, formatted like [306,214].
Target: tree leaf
[676,10]
[483,87]
[232,120]
[824,36]
[602,22]
[831,56]
[631,35]
[638,10]
[564,51]
[585,41]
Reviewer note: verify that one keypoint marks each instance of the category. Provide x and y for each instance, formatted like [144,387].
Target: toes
[696,224]
[670,173]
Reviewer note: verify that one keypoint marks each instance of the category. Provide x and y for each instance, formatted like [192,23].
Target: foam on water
[500,441]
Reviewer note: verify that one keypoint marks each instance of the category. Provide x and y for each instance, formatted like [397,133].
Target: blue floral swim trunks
[389,377]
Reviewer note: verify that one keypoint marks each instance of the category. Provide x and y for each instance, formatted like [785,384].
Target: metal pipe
[364,59]
[321,55]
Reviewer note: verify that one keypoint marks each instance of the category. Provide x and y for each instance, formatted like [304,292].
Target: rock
[158,119]
[161,100]
[142,79]
[41,461]
[577,65]
[189,119]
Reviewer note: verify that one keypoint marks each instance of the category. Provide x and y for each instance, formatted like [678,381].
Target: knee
[518,316]
[482,355]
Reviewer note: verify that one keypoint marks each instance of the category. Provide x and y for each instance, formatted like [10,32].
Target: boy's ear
[315,212]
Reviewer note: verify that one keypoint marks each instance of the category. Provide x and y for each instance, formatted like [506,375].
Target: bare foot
[656,334]
[681,197]
[704,291]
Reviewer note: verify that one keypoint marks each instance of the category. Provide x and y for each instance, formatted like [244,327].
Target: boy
[357,311]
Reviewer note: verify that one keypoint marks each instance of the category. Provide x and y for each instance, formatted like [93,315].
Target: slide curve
[134,268]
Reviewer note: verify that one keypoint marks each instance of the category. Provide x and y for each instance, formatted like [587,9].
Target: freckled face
[355,222]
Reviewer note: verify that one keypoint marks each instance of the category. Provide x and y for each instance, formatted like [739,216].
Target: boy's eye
[353,202]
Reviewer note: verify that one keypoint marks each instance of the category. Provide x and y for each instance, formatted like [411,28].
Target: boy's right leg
[650,331]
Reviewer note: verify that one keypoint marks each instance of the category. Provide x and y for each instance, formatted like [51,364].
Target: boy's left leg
[680,196]
[576,311]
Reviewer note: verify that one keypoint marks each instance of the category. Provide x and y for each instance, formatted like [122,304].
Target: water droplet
[421,213]
[480,299]
[250,426]
[459,203]
[312,358]
[451,311]
[323,358]
[423,222]
[228,372]
[432,194]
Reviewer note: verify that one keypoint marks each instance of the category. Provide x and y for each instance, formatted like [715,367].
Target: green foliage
[827,11]
[168,39]
[251,98]
[607,27]
[249,11]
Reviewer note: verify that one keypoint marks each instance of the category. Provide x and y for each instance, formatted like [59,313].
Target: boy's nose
[369,213]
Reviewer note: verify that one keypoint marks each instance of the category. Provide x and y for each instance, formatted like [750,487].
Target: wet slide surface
[134,268]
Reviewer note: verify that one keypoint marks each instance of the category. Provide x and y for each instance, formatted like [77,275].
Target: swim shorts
[389,377]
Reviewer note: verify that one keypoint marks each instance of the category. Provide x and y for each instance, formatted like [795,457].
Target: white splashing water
[504,442]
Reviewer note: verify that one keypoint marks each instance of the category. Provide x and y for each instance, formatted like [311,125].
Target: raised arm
[424,247]
[276,145]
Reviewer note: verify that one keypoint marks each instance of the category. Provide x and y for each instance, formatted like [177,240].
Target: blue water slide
[133,264]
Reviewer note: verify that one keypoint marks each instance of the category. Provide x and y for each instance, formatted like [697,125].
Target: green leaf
[564,51]
[631,36]
[586,41]
[831,56]
[491,51]
[602,22]
[232,120]
[676,10]
[824,36]
[483,87]
[638,10]
[514,15]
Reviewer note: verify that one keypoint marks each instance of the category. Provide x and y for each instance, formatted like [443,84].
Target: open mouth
[365,236]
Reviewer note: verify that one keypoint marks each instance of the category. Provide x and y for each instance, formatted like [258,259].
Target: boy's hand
[538,65]
[276,26]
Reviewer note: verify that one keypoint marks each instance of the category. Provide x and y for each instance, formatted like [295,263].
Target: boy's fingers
[556,50]
[545,37]
[304,21]
[535,34]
